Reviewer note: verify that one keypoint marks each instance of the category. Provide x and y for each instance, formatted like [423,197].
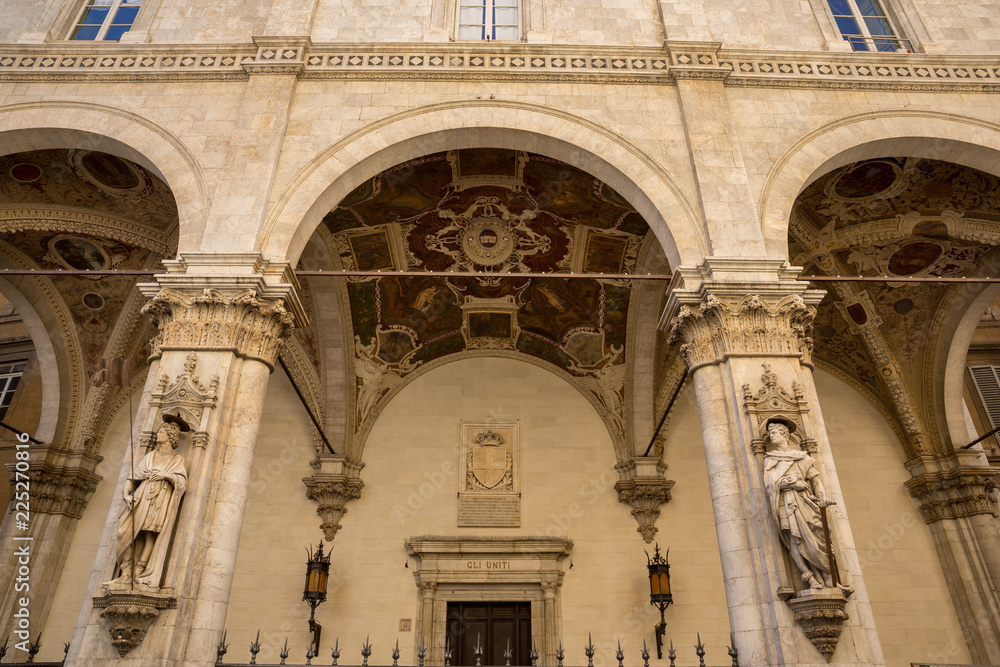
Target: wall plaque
[489,491]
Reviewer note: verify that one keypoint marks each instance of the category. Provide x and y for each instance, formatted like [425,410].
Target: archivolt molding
[303,374]
[336,171]
[54,218]
[74,374]
[64,124]
[936,135]
[623,452]
[747,326]
[240,322]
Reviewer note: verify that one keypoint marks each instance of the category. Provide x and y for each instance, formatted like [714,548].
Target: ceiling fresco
[892,217]
[72,209]
[487,211]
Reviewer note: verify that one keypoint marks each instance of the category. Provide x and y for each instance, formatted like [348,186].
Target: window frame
[489,26]
[5,381]
[871,43]
[106,24]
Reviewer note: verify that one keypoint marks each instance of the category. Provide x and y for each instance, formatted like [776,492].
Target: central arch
[335,172]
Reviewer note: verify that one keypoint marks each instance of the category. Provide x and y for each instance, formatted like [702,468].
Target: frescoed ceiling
[892,217]
[487,211]
[73,209]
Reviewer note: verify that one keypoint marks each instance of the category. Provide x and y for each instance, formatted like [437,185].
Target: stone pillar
[957,496]
[735,322]
[218,339]
[552,633]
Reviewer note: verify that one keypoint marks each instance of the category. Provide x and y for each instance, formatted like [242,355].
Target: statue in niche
[797,495]
[152,496]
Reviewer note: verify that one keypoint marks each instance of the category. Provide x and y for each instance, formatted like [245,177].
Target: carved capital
[643,487]
[60,490]
[130,615]
[747,326]
[952,494]
[332,493]
[241,322]
[821,615]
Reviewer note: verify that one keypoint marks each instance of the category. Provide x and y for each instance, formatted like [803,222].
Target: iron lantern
[314,594]
[659,592]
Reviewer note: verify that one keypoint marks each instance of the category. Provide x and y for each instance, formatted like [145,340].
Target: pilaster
[957,497]
[221,324]
[744,330]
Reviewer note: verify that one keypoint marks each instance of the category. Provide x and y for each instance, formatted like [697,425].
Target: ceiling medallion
[488,241]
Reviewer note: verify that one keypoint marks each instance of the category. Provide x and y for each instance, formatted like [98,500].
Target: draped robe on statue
[161,483]
[788,476]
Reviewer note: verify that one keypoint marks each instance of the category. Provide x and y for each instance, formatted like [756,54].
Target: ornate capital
[332,493]
[959,492]
[643,487]
[60,490]
[130,615]
[242,322]
[821,616]
[743,325]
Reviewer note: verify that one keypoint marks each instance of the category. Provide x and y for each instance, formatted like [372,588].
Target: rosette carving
[242,322]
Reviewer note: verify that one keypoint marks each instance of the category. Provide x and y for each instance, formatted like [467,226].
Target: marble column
[219,334]
[744,329]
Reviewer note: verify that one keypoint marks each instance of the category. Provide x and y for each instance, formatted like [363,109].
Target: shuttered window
[10,376]
[987,381]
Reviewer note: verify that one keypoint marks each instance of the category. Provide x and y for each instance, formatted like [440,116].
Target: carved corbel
[130,615]
[820,614]
[333,484]
[644,488]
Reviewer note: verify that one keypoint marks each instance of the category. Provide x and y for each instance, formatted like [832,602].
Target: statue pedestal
[820,613]
[130,614]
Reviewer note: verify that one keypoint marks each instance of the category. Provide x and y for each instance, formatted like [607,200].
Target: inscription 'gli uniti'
[488,565]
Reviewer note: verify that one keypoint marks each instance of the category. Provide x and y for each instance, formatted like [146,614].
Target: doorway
[492,624]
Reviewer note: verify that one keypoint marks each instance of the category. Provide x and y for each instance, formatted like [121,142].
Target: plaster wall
[411,477]
[914,612]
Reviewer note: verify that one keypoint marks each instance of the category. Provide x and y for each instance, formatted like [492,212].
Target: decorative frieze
[748,326]
[242,322]
[155,62]
[952,494]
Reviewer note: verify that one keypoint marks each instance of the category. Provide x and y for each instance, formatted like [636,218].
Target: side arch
[335,172]
[42,125]
[926,134]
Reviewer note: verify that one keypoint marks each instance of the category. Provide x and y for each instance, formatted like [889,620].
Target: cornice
[298,56]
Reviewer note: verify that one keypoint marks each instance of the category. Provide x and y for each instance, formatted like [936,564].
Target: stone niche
[495,569]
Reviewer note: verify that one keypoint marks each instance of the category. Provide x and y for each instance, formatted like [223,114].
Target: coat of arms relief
[489,489]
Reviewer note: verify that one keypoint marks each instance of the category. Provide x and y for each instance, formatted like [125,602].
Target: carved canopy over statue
[152,496]
[796,496]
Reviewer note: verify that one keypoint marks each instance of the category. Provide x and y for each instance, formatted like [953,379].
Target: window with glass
[489,19]
[864,24]
[10,376]
[105,20]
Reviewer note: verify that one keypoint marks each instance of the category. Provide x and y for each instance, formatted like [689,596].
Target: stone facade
[218,160]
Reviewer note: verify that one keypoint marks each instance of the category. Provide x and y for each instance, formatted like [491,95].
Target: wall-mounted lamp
[659,592]
[317,573]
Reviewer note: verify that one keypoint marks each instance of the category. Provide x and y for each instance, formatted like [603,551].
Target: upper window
[865,26]
[489,19]
[10,376]
[105,20]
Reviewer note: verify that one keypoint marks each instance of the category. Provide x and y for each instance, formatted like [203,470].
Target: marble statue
[796,495]
[152,496]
